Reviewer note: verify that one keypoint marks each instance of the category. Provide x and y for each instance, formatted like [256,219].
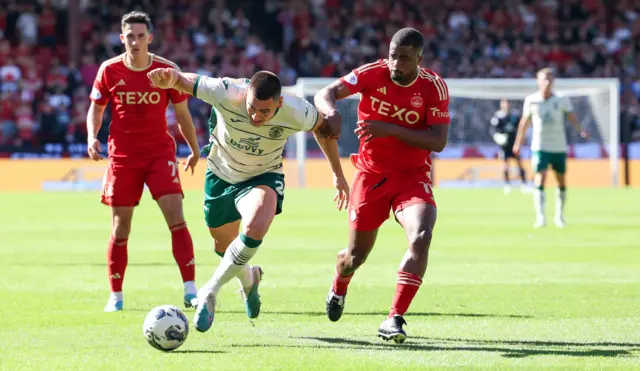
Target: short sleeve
[214,90]
[358,79]
[437,102]
[100,91]
[307,114]
[176,96]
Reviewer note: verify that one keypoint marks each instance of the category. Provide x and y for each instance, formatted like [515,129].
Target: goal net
[473,103]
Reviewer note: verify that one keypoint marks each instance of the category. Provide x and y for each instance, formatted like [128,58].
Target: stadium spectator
[320,38]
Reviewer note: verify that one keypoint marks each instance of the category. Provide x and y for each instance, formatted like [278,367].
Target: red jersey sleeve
[100,91]
[360,78]
[176,96]
[437,100]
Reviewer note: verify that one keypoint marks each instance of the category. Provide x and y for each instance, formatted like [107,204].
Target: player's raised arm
[169,78]
[325,100]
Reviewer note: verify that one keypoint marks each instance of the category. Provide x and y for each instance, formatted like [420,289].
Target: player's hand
[191,162]
[163,78]
[368,130]
[516,149]
[342,192]
[94,149]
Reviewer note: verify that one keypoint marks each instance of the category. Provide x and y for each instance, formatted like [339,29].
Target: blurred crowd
[44,94]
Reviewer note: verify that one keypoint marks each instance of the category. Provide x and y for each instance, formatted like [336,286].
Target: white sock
[190,287]
[234,261]
[538,203]
[561,197]
[116,296]
[245,277]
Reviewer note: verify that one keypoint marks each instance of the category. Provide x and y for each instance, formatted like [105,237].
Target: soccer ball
[166,328]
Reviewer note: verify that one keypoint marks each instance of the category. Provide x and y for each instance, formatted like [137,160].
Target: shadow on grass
[196,351]
[385,313]
[508,349]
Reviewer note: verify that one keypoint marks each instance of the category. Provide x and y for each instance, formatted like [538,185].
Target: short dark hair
[409,37]
[136,17]
[266,85]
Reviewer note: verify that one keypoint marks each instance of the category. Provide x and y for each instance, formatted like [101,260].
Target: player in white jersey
[547,111]
[249,125]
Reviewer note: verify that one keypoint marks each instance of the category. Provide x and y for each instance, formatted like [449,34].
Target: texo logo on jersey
[138,97]
[391,110]
[437,113]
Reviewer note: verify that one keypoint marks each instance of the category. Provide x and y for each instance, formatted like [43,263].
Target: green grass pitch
[497,294]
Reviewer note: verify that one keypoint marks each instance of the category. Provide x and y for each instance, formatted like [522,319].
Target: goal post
[596,103]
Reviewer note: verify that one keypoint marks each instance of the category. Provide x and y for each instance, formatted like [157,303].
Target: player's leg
[523,173]
[504,156]
[122,190]
[361,243]
[415,210]
[257,201]
[250,276]
[369,206]
[162,178]
[539,164]
[559,166]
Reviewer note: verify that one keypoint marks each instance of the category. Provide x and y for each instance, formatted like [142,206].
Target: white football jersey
[240,151]
[548,121]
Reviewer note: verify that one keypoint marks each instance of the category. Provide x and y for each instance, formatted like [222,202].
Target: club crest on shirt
[351,78]
[275,132]
[417,101]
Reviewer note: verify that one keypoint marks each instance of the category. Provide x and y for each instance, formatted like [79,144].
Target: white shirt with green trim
[240,151]
[548,121]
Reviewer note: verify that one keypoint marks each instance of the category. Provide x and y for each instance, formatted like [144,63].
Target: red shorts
[374,195]
[124,180]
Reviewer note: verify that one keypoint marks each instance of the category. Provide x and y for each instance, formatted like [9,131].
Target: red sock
[406,288]
[182,246]
[340,283]
[117,259]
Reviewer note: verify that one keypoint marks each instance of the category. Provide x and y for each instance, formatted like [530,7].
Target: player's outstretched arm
[329,146]
[169,78]
[325,102]
[94,122]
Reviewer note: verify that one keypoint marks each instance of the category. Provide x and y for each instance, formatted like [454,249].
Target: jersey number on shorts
[279,187]
[172,165]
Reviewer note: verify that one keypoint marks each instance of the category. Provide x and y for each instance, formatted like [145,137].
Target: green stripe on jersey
[195,86]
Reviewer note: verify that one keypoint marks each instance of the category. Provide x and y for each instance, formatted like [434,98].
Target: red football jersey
[417,106]
[139,124]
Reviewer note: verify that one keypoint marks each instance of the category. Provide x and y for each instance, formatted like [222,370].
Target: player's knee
[355,261]
[352,259]
[121,228]
[420,241]
[257,228]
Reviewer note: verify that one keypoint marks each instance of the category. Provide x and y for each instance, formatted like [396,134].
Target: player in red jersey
[141,151]
[403,117]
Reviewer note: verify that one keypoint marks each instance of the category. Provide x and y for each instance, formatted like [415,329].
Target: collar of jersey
[405,86]
[137,69]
